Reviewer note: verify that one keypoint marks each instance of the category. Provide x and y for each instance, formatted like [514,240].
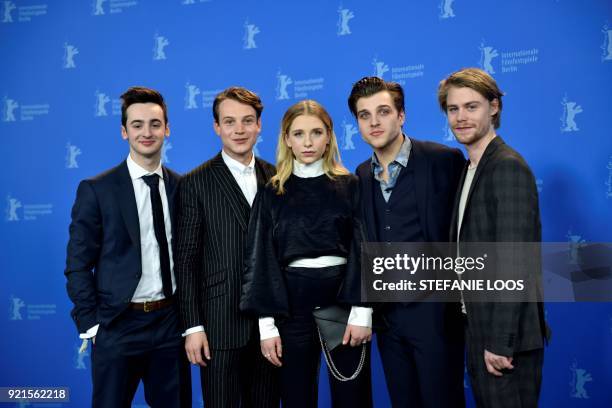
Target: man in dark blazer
[119,267]
[497,201]
[215,203]
[407,189]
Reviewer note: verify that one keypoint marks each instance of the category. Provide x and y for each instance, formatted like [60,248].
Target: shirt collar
[235,165]
[402,155]
[308,170]
[136,171]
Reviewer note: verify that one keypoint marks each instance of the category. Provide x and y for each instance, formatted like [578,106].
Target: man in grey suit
[214,206]
[497,201]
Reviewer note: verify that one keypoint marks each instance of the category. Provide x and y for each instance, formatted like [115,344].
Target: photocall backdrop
[65,64]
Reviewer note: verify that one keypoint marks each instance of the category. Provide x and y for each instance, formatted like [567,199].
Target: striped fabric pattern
[212,223]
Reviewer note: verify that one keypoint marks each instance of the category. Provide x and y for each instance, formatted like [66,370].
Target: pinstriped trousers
[240,378]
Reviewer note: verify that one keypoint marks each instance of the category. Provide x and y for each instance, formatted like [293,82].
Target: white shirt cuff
[192,330]
[90,333]
[360,316]
[267,328]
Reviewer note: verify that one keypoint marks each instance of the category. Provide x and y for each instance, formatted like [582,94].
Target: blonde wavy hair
[332,165]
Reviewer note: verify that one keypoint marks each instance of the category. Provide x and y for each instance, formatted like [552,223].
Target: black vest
[398,220]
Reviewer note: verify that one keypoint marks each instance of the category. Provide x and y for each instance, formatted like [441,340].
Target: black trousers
[240,377]
[139,346]
[516,388]
[422,355]
[299,375]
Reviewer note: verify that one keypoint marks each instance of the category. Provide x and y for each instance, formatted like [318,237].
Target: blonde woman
[304,243]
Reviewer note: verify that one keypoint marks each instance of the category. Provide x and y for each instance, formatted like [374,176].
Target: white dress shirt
[359,316]
[150,286]
[247,181]
[244,175]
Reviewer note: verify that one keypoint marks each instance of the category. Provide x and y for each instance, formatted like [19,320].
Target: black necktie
[160,232]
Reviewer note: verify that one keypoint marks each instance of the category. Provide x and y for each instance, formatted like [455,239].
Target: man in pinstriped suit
[497,201]
[214,206]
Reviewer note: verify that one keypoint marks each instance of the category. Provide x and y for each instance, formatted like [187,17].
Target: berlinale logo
[72,152]
[190,96]
[8,111]
[487,53]
[79,358]
[446,9]
[283,81]
[161,43]
[164,152]
[100,105]
[568,119]
[580,377]
[98,10]
[607,44]
[250,30]
[345,15]
[69,53]
[255,148]
[380,68]
[12,205]
[9,6]
[348,131]
[15,308]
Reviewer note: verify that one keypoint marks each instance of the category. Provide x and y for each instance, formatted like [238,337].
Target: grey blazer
[502,206]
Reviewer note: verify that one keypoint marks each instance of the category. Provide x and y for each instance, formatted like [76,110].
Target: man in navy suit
[120,271]
[407,190]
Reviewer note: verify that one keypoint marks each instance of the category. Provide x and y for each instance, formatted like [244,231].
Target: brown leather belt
[153,305]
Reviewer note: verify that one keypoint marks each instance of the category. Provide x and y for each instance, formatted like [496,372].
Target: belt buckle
[146,307]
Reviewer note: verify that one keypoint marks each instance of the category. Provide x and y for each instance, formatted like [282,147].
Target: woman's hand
[356,335]
[272,350]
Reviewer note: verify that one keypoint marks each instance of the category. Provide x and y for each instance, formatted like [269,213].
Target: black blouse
[315,217]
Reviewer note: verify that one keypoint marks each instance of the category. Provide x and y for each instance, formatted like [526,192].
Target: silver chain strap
[332,367]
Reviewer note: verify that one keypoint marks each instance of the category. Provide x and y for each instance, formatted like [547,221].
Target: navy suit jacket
[437,170]
[103,262]
[438,327]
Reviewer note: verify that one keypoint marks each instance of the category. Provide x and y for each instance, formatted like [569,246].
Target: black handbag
[331,324]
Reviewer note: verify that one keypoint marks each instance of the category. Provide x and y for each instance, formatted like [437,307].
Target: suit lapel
[482,164]
[231,190]
[367,179]
[170,185]
[262,175]
[127,203]
[455,214]
[421,181]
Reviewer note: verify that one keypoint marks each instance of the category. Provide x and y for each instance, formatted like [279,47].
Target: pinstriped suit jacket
[212,223]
